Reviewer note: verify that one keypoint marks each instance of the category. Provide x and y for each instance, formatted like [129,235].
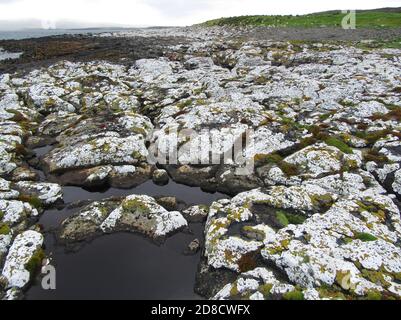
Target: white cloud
[167,12]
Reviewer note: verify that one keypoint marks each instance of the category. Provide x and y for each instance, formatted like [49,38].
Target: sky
[51,13]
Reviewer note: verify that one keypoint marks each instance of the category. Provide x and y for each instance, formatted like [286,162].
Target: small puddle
[123,265]
[5,55]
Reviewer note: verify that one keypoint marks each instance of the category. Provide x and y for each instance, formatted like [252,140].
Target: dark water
[38,33]
[122,265]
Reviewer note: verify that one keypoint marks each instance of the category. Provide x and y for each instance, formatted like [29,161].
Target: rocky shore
[318,217]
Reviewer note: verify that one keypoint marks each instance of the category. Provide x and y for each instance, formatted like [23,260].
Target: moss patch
[374,295]
[134,205]
[32,200]
[265,290]
[365,237]
[294,295]
[282,219]
[375,156]
[4,229]
[288,168]
[339,144]
[35,262]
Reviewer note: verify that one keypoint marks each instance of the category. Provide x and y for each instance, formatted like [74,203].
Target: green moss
[106,148]
[373,137]
[4,229]
[339,144]
[347,240]
[136,155]
[306,142]
[1,215]
[322,200]
[295,218]
[32,200]
[135,205]
[326,291]
[282,218]
[184,104]
[265,290]
[35,262]
[324,116]
[365,237]
[261,80]
[375,156]
[375,277]
[288,168]
[273,158]
[234,291]
[294,295]
[374,295]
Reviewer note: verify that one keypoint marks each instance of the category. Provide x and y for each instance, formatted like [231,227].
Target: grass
[365,237]
[364,19]
[341,145]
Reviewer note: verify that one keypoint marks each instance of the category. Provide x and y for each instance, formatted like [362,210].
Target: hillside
[377,18]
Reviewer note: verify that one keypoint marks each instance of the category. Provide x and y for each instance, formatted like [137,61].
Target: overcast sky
[167,12]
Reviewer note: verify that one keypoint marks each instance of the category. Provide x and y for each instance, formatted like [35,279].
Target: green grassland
[364,19]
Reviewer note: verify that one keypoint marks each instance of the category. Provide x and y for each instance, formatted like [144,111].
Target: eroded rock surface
[317,216]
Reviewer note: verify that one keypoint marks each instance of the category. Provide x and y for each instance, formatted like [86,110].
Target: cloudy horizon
[17,14]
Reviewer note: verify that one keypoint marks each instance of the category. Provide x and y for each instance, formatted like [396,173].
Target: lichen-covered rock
[19,259]
[46,193]
[319,160]
[108,150]
[160,177]
[193,248]
[86,223]
[316,186]
[262,284]
[342,234]
[339,248]
[15,211]
[197,213]
[135,213]
[142,214]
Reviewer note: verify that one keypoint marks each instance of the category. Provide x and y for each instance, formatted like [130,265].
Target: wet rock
[196,213]
[160,177]
[346,243]
[86,223]
[142,214]
[193,248]
[46,193]
[24,248]
[316,214]
[169,203]
[135,213]
[15,211]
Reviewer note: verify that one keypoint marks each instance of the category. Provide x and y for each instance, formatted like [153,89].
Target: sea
[38,33]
